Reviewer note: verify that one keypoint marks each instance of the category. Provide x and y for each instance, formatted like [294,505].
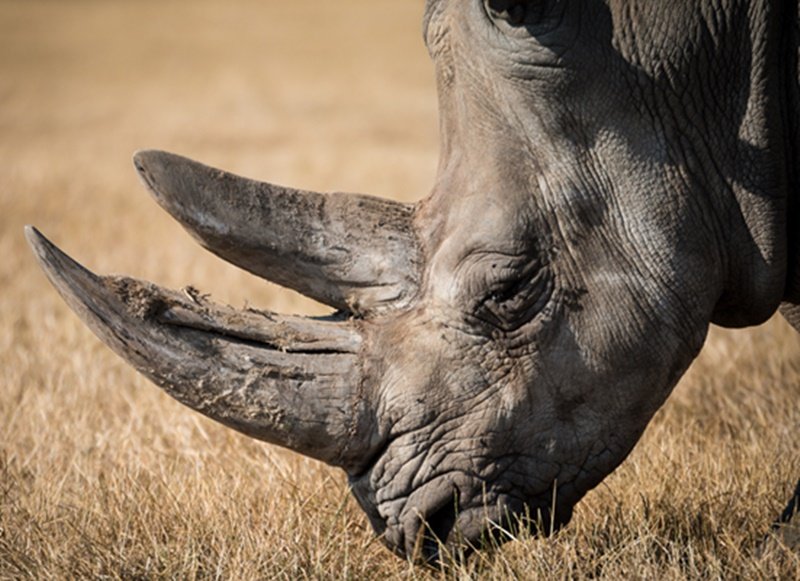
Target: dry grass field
[101,475]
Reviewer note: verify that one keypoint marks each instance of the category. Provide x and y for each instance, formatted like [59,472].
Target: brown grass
[102,475]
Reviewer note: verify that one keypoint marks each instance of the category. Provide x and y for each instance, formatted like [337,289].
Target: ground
[103,475]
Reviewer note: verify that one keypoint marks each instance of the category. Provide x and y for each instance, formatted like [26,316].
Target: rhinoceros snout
[449,518]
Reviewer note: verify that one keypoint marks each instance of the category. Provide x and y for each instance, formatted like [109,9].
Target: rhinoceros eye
[514,12]
[513,299]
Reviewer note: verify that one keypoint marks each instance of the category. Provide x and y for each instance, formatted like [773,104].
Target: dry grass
[102,475]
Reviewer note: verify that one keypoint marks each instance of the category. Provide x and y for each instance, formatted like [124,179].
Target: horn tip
[153,159]
[146,160]
[42,248]
[165,174]
[64,272]
[143,156]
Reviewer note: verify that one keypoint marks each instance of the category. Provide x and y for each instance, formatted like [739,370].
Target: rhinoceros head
[497,348]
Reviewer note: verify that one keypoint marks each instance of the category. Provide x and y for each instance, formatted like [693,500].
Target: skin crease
[614,176]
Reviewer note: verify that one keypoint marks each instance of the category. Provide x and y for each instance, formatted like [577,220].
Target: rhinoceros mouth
[457,513]
[451,532]
[491,524]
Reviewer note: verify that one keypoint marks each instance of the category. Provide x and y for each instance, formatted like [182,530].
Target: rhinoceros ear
[355,253]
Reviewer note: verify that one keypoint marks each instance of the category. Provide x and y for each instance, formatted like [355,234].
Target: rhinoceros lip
[449,532]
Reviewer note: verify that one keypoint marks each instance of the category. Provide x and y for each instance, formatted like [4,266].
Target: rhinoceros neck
[717,76]
[758,173]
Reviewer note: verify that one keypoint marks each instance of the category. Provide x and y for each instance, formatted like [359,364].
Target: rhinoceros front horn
[286,380]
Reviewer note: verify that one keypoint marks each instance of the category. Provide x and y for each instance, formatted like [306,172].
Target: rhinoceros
[615,176]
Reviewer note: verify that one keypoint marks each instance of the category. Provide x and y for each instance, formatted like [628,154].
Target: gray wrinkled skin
[614,177]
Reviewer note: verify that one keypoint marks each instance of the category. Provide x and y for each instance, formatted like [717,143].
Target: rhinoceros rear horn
[290,381]
[355,253]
